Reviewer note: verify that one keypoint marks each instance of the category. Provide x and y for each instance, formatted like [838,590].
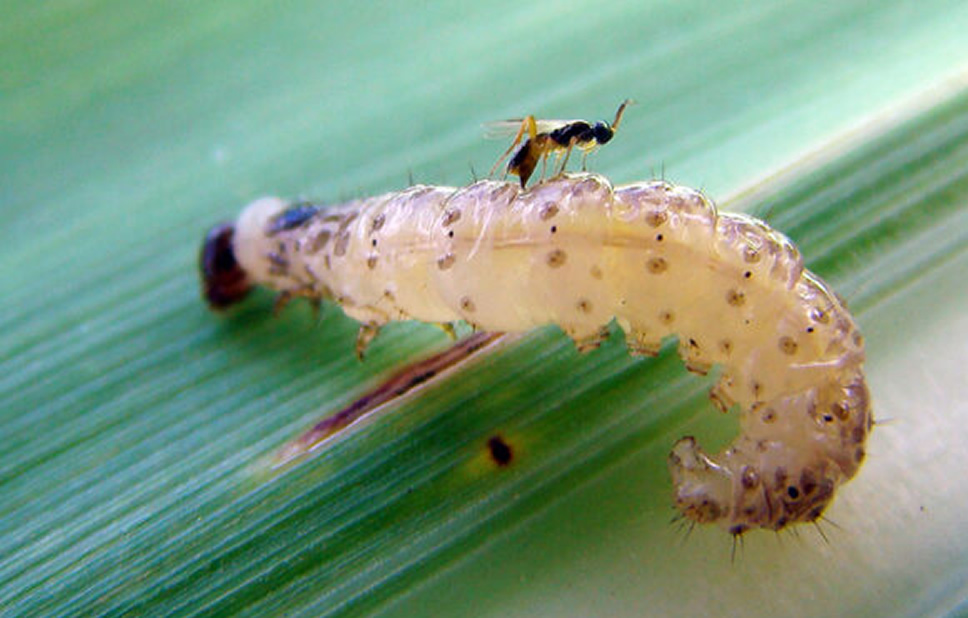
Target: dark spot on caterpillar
[693,344]
[810,329]
[726,346]
[788,346]
[748,274]
[819,315]
[342,242]
[278,264]
[548,211]
[554,229]
[373,242]
[556,258]
[596,272]
[657,265]
[371,262]
[446,261]
[793,492]
[780,477]
[749,477]
[656,218]
[224,283]
[500,451]
[293,217]
[659,237]
[345,222]
[584,305]
[467,304]
[840,410]
[757,388]
[667,317]
[736,298]
[319,240]
[808,481]
[378,222]
[769,416]
[451,217]
[450,234]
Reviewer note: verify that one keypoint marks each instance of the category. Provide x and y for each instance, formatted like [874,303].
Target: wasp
[545,137]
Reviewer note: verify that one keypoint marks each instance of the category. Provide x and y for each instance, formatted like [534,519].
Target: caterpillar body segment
[577,252]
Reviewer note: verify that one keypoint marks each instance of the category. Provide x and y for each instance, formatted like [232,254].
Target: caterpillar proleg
[577,252]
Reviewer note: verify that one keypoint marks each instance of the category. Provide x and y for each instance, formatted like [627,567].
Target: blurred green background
[133,422]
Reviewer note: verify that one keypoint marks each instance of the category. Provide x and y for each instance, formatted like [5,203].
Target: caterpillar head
[224,282]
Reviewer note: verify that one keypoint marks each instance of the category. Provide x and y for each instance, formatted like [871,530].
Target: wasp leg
[564,162]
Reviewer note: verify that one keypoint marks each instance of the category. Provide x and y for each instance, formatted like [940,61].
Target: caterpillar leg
[703,488]
[639,343]
[367,333]
[448,329]
[282,301]
[586,343]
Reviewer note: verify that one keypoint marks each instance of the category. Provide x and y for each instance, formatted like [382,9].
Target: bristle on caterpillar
[577,252]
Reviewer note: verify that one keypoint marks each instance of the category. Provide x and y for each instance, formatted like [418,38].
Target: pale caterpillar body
[577,252]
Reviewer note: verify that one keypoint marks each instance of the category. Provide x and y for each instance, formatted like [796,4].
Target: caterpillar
[577,252]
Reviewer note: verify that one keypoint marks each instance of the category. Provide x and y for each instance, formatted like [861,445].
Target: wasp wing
[499,129]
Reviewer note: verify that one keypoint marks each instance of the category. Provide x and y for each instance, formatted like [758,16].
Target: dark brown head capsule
[223,281]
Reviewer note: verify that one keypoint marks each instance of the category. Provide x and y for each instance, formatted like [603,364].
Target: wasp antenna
[621,112]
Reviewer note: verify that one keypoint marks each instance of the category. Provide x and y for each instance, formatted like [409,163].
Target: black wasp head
[603,132]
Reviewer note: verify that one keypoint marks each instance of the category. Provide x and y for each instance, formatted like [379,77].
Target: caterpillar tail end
[740,492]
[224,282]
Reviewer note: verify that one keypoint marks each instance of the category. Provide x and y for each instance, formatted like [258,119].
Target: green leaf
[136,425]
